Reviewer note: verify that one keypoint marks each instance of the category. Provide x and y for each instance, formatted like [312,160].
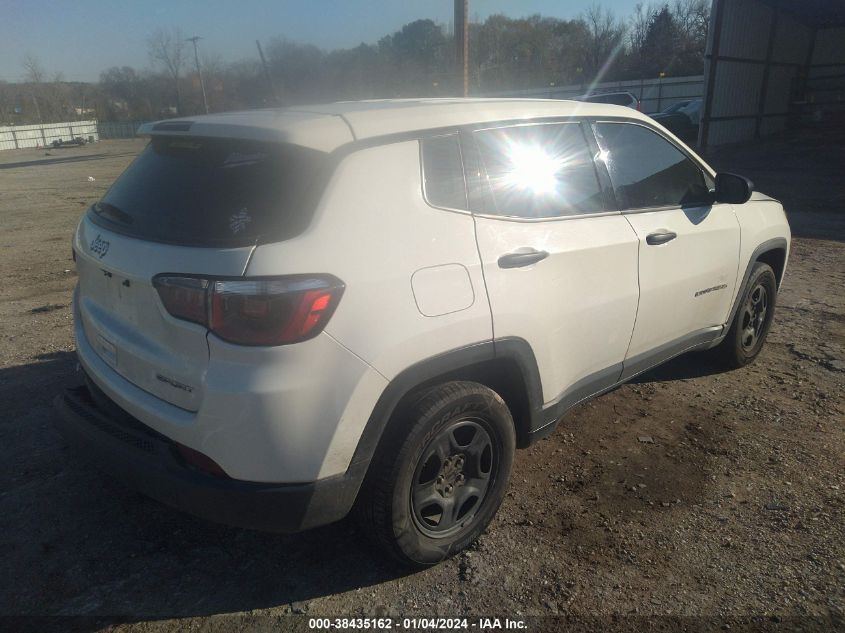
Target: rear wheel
[753,319]
[438,483]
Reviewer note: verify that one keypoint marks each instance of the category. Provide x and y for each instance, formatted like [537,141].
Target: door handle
[520,259]
[660,237]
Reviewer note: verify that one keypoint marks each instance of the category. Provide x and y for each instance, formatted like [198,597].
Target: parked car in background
[674,107]
[283,315]
[623,98]
[681,119]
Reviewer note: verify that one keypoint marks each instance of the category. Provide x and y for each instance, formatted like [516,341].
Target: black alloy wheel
[752,320]
[439,474]
[452,477]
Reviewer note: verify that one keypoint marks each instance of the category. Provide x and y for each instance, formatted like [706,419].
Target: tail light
[258,311]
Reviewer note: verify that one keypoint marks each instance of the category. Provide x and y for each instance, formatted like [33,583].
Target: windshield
[211,192]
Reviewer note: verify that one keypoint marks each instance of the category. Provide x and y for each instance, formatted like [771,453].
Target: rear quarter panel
[375,232]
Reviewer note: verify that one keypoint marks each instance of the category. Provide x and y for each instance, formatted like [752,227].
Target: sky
[80,38]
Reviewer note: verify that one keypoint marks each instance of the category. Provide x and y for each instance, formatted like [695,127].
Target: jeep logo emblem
[99,247]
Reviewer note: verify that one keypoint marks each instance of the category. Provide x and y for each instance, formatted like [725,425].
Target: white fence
[43,135]
[655,94]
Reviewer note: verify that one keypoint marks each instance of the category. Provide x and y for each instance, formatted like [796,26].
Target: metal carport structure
[772,64]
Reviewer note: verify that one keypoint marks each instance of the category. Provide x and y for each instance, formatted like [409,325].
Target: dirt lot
[734,511]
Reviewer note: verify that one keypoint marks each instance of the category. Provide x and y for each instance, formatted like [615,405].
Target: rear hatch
[187,206]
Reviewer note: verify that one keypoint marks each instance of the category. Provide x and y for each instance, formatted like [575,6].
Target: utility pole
[270,85]
[462,41]
[195,39]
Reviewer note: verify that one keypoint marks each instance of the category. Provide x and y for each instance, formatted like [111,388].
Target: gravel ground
[730,511]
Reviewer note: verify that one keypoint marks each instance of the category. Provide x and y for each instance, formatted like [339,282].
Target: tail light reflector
[258,311]
[200,461]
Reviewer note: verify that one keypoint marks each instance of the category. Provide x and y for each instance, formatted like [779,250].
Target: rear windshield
[214,192]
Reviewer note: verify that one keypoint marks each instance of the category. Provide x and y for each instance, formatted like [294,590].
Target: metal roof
[815,13]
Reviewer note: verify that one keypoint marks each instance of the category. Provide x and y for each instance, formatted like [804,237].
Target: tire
[752,320]
[440,475]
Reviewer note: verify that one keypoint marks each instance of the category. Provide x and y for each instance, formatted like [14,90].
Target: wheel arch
[776,258]
[770,251]
[507,366]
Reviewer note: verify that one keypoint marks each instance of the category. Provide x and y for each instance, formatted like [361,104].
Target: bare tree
[640,21]
[604,37]
[166,48]
[638,29]
[55,95]
[33,70]
[506,54]
[6,103]
[692,18]
[34,75]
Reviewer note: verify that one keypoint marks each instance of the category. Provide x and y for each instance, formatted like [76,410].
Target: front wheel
[441,477]
[753,319]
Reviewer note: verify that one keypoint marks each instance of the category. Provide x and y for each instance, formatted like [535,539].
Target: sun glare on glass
[532,168]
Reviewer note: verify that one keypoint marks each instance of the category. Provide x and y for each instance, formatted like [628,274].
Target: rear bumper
[148,462]
[288,413]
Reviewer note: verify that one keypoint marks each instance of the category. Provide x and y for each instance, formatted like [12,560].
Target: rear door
[688,246]
[185,206]
[559,264]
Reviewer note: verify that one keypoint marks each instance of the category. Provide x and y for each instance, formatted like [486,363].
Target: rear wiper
[111,212]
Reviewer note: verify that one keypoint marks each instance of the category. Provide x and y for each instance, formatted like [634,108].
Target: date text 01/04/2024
[409,624]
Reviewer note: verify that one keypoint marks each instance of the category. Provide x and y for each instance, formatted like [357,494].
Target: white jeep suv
[285,314]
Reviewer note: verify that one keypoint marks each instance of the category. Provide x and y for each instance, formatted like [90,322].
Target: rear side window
[214,192]
[537,171]
[443,172]
[647,170]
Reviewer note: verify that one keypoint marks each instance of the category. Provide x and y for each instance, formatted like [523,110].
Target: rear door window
[647,170]
[443,172]
[198,191]
[535,171]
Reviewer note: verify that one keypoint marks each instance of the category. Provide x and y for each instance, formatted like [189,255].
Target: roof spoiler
[147,129]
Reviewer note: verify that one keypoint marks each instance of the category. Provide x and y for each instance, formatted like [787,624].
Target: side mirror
[733,188]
